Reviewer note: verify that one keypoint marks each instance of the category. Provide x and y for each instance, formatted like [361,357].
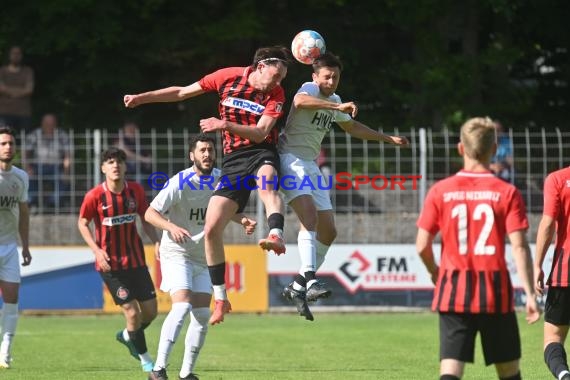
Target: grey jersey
[14,186]
[306,128]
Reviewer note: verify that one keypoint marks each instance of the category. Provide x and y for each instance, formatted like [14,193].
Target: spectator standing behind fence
[47,151]
[139,160]
[502,161]
[16,88]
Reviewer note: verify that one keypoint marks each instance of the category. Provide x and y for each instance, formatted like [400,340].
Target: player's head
[478,139]
[326,73]
[270,67]
[7,145]
[202,153]
[113,163]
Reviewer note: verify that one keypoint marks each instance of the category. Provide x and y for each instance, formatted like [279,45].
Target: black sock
[448,377]
[310,275]
[276,220]
[514,377]
[300,280]
[555,358]
[139,340]
[218,273]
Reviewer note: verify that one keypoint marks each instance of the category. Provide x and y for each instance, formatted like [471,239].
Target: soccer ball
[307,45]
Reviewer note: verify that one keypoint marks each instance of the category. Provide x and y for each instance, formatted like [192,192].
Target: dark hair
[113,153]
[327,60]
[272,55]
[200,137]
[7,130]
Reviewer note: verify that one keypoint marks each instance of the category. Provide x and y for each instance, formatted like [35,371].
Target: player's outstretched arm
[523,262]
[361,131]
[307,101]
[165,95]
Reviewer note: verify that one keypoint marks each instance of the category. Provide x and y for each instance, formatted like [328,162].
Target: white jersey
[305,128]
[14,185]
[184,201]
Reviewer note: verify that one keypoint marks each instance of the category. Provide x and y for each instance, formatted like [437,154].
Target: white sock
[126,335]
[306,241]
[276,231]
[195,337]
[220,292]
[8,326]
[169,333]
[322,251]
[561,374]
[145,358]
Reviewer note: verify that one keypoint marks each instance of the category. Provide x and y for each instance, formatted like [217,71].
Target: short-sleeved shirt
[22,105]
[557,206]
[14,186]
[306,128]
[243,104]
[184,202]
[114,216]
[474,213]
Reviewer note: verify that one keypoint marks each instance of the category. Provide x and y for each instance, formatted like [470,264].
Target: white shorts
[304,178]
[181,273]
[9,263]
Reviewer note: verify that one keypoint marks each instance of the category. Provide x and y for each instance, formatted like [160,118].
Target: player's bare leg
[220,212]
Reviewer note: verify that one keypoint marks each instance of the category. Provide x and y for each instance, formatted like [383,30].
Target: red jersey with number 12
[114,216]
[557,206]
[242,104]
[474,213]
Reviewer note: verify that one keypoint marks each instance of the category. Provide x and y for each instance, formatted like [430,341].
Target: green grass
[334,346]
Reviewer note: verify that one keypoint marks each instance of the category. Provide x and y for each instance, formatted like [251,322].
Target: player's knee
[201,315]
[213,231]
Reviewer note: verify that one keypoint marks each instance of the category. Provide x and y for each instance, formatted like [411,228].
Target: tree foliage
[420,63]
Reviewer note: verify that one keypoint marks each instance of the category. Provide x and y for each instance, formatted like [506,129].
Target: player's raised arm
[361,131]
[165,95]
[303,100]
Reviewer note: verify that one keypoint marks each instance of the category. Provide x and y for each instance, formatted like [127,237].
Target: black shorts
[128,285]
[557,306]
[499,337]
[239,169]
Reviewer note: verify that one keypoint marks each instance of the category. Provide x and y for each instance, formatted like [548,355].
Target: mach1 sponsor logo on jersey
[243,104]
[378,271]
[119,219]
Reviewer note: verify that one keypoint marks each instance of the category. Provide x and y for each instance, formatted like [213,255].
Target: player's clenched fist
[130,101]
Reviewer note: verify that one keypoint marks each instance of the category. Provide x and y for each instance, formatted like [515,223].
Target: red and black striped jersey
[242,104]
[114,216]
[557,206]
[474,212]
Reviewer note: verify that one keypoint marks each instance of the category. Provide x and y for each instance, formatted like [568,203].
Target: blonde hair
[478,136]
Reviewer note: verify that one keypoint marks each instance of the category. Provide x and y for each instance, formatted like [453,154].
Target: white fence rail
[432,155]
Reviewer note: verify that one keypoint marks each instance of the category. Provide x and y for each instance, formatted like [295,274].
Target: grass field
[335,346]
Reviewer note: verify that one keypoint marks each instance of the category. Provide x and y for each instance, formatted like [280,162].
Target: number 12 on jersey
[481,211]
